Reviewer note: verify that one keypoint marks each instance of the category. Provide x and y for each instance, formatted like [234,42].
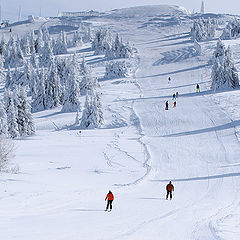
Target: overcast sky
[10,8]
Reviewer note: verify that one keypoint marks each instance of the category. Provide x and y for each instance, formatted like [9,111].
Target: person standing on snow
[197,88]
[169,80]
[174,96]
[174,104]
[170,189]
[109,199]
[166,107]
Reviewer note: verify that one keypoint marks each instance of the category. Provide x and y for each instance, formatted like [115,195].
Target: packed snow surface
[64,174]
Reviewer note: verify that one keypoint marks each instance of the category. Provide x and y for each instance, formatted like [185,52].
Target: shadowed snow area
[65,174]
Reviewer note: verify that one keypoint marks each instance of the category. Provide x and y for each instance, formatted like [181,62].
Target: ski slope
[64,175]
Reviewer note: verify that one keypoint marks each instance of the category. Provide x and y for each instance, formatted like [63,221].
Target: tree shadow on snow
[236,174]
[88,210]
[151,198]
[178,71]
[176,56]
[229,125]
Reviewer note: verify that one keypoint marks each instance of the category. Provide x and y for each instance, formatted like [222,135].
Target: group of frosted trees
[232,30]
[203,29]
[224,74]
[119,69]
[15,112]
[103,43]
[35,73]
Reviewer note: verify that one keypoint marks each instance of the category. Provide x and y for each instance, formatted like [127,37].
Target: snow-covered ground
[65,174]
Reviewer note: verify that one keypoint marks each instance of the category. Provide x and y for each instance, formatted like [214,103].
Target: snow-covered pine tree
[46,56]
[102,42]
[232,30]
[39,100]
[34,60]
[88,83]
[3,120]
[203,29]
[76,40]
[39,44]
[25,45]
[60,46]
[31,42]
[2,74]
[11,114]
[52,88]
[10,42]
[72,96]
[84,69]
[45,34]
[8,81]
[28,74]
[224,74]
[13,56]
[2,45]
[23,108]
[116,70]
[98,105]
[90,117]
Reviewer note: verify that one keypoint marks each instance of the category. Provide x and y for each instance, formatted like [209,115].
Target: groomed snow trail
[65,175]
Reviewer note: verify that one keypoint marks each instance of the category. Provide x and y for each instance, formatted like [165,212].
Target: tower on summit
[202,8]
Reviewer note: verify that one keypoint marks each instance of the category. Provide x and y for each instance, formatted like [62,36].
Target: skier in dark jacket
[166,103]
[109,199]
[170,189]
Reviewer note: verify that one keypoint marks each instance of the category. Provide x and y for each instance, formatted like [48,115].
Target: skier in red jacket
[110,199]
[169,189]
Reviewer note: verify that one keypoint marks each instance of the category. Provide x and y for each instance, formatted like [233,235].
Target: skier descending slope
[197,88]
[166,105]
[110,199]
[170,189]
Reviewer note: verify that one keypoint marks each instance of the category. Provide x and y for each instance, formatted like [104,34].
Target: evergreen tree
[116,70]
[31,43]
[102,42]
[224,74]
[46,56]
[34,60]
[232,30]
[203,29]
[2,74]
[52,88]
[3,120]
[39,44]
[24,117]
[61,45]
[72,96]
[45,34]
[11,114]
[84,69]
[39,100]
[90,117]
[8,81]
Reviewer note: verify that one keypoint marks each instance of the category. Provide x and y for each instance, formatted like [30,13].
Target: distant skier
[169,80]
[176,94]
[166,107]
[109,199]
[170,189]
[174,104]
[197,88]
